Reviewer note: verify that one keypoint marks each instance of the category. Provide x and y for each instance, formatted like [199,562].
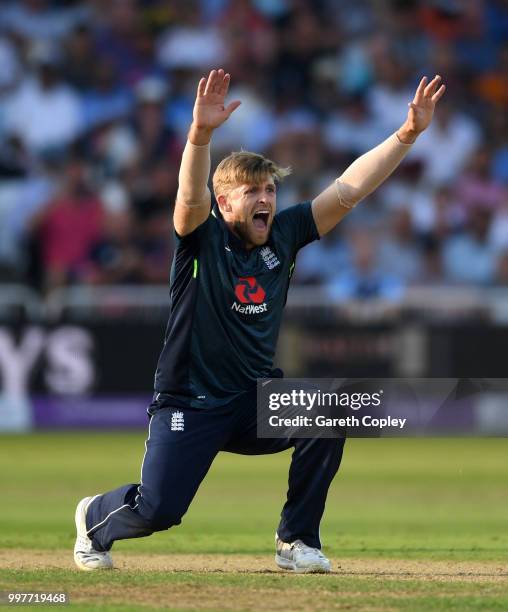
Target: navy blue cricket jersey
[226,308]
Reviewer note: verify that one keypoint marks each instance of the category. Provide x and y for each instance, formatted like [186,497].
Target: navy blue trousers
[177,459]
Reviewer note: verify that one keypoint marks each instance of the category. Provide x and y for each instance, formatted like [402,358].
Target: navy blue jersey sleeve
[185,256]
[296,225]
[191,241]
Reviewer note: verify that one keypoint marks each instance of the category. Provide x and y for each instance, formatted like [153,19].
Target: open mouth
[260,219]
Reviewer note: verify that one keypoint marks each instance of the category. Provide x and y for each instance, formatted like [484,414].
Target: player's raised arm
[366,173]
[192,205]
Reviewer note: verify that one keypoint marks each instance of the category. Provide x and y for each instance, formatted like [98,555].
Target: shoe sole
[291,566]
[80,521]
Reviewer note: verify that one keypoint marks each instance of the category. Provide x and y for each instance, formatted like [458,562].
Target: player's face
[249,211]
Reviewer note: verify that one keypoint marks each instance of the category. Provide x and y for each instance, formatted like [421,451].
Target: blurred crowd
[96,98]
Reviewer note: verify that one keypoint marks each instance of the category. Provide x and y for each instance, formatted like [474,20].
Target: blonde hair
[244,167]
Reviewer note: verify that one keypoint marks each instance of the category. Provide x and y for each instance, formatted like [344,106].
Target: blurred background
[95,101]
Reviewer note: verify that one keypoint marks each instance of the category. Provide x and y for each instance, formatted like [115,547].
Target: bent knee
[161,517]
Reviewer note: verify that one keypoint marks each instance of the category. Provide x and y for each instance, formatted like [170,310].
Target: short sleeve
[192,240]
[296,225]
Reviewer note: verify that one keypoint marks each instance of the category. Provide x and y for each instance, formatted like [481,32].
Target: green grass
[335,591]
[398,499]
[418,498]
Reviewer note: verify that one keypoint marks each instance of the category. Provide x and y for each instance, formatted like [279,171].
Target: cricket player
[229,280]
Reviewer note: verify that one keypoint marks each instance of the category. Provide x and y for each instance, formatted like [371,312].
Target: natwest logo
[248,291]
[250,295]
[249,308]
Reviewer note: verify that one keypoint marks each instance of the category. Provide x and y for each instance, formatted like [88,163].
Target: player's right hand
[209,109]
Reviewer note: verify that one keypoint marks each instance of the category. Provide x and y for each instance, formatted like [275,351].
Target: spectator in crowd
[105,99]
[189,43]
[399,252]
[492,85]
[403,27]
[351,128]
[441,216]
[502,269]
[446,148]
[152,208]
[155,140]
[156,245]
[471,257]
[40,20]
[304,35]
[498,235]
[299,145]
[252,55]
[389,95]
[22,199]
[79,58]
[364,279]
[498,138]
[477,184]
[44,113]
[119,40]
[114,257]
[68,226]
[432,261]
[321,261]
[446,20]
[253,123]
[11,67]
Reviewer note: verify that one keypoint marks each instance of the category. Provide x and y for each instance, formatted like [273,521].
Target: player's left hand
[421,109]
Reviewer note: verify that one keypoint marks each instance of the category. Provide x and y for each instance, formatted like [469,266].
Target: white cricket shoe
[85,557]
[300,558]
